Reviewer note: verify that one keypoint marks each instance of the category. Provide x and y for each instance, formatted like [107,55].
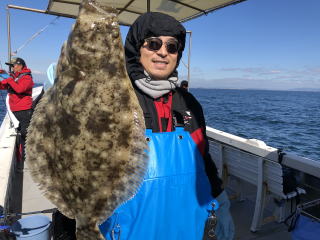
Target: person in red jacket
[19,86]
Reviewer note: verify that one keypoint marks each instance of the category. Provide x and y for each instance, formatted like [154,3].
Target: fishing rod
[51,210]
[4,228]
[35,35]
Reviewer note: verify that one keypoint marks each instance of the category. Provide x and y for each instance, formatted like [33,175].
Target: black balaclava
[151,24]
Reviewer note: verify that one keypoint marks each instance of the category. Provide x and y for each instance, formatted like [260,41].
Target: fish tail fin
[89,231]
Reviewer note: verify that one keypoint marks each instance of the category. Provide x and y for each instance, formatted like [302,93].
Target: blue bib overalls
[173,200]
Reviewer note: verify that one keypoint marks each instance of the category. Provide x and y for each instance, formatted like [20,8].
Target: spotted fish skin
[86,147]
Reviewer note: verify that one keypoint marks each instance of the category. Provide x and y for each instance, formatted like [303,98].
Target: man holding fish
[132,147]
[182,179]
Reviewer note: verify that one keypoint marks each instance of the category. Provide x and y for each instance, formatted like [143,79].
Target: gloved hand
[225,226]
[4,82]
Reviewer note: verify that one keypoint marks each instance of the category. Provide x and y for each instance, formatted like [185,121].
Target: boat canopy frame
[129,10]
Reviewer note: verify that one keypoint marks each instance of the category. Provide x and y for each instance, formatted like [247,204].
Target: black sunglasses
[155,43]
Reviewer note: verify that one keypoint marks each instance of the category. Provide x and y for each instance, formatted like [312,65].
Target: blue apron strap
[174,200]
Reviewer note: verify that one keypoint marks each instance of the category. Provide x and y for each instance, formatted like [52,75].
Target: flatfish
[85,146]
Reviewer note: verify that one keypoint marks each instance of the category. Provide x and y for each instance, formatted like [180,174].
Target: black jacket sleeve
[196,123]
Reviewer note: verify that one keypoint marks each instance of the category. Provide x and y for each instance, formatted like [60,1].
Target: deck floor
[242,212]
[33,199]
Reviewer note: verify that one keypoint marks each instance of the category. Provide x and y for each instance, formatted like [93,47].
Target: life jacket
[12,91]
[22,99]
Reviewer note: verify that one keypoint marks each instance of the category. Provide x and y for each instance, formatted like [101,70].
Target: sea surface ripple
[289,120]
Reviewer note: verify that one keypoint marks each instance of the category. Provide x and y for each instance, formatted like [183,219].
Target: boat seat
[266,175]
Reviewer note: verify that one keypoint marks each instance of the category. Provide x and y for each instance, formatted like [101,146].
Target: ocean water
[3,109]
[283,119]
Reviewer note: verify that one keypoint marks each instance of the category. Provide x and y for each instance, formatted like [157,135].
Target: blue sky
[264,44]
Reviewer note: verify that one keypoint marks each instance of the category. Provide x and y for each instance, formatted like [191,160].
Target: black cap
[184,83]
[151,24]
[19,61]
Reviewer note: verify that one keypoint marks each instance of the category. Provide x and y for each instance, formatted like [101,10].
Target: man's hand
[7,80]
[225,226]
[4,82]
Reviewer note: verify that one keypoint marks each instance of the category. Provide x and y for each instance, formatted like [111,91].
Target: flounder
[86,146]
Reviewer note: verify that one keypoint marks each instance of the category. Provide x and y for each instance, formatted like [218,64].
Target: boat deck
[33,199]
[242,212]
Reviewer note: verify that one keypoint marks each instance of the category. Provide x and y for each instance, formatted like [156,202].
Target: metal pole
[26,9]
[189,57]
[148,5]
[9,26]
[9,37]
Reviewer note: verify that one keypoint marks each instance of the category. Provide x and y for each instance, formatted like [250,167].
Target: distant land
[306,89]
[40,78]
[259,89]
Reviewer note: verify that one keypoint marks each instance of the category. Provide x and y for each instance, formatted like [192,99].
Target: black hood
[152,24]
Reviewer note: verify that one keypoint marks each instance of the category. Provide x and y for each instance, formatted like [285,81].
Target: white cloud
[38,77]
[37,72]
[275,71]
[256,77]
[255,70]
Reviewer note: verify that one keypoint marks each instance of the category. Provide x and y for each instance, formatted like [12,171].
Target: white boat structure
[251,170]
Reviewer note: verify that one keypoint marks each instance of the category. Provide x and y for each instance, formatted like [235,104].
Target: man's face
[158,63]
[17,67]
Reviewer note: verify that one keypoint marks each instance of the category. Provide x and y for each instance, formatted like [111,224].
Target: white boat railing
[253,162]
[259,148]
[7,157]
